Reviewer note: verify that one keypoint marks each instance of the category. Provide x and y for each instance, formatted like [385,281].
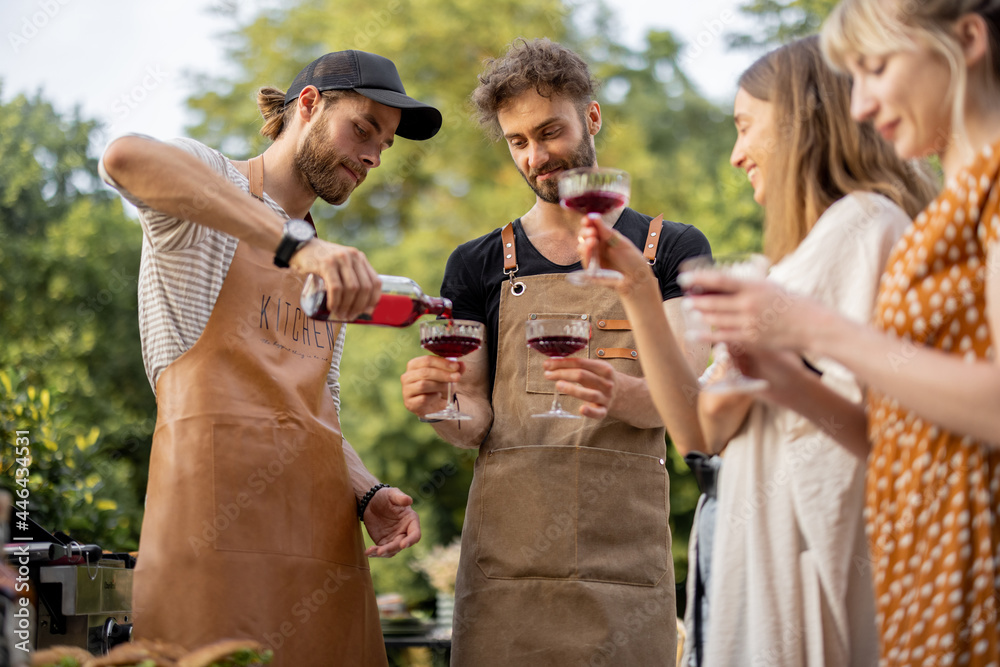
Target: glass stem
[451,392]
[556,406]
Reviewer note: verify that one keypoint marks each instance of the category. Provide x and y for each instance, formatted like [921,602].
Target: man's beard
[548,190]
[318,162]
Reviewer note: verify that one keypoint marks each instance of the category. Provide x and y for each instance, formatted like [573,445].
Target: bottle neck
[437,305]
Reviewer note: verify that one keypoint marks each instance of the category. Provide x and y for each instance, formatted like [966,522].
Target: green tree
[68,265]
[780,21]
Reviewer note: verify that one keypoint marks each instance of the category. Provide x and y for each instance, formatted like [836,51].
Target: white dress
[790,578]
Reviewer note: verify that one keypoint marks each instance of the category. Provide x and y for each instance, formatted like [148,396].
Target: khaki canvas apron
[566,554]
[251,527]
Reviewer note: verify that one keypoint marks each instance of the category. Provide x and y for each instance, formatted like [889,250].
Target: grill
[81,595]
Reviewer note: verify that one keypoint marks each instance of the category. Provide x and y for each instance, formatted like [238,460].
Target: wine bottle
[401,304]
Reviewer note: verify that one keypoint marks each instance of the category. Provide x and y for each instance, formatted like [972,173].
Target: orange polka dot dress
[933,497]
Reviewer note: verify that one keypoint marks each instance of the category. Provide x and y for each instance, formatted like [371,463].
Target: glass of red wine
[557,338]
[722,375]
[451,339]
[594,191]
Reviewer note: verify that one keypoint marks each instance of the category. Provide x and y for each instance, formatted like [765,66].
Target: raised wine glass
[722,376]
[451,339]
[557,338]
[594,191]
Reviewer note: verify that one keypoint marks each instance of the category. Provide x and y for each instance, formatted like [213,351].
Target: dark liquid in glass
[451,346]
[699,291]
[595,201]
[557,346]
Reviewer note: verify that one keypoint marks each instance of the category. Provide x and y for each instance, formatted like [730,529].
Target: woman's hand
[614,251]
[751,312]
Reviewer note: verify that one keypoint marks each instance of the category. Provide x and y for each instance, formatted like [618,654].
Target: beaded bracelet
[363,503]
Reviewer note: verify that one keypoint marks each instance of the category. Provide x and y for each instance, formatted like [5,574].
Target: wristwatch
[297,233]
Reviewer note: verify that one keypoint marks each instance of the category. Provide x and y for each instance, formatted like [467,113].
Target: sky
[131,63]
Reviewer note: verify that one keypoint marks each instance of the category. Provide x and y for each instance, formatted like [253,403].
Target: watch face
[300,230]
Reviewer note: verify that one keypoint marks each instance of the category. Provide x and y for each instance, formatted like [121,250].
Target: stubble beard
[318,163]
[585,155]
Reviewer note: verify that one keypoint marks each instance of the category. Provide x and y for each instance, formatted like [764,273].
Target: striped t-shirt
[182,270]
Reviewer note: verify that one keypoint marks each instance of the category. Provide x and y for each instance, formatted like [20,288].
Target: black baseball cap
[376,78]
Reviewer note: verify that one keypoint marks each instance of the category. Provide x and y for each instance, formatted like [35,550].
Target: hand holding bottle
[401,302]
[350,283]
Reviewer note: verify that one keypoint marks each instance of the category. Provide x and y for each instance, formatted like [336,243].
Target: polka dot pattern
[933,497]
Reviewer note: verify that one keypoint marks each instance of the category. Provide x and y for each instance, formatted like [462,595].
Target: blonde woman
[926,76]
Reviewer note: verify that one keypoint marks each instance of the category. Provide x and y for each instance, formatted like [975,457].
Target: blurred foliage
[69,256]
[68,267]
[68,484]
[780,21]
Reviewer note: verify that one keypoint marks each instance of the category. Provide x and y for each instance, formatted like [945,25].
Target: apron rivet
[634,354]
[601,324]
[583,317]
[661,460]
[600,353]
[533,317]
[508,256]
[652,233]
[650,245]
[509,245]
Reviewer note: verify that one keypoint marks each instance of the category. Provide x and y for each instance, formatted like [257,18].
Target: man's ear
[310,102]
[593,118]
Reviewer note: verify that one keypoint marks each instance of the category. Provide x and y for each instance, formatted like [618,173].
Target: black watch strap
[296,234]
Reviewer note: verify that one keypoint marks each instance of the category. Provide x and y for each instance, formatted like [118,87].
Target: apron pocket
[573,513]
[282,491]
[623,532]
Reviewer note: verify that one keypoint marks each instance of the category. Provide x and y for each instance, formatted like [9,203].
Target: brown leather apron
[566,555]
[251,527]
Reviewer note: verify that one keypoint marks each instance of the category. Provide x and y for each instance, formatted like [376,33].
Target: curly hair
[541,65]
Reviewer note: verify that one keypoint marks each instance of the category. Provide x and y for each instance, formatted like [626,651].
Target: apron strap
[617,353]
[255,174]
[614,325]
[510,259]
[653,239]
[509,251]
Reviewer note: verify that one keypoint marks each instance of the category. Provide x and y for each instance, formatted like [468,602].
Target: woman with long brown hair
[926,75]
[784,587]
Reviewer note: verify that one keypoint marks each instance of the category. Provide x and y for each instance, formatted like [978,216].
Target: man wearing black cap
[251,523]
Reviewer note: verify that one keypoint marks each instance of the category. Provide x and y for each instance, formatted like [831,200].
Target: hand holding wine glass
[557,338]
[613,250]
[594,191]
[451,339]
[723,376]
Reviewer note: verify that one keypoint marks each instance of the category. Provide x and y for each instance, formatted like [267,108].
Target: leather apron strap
[653,239]
[255,176]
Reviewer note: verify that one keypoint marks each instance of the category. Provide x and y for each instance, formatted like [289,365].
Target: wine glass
[593,191]
[722,376]
[451,339]
[557,338]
